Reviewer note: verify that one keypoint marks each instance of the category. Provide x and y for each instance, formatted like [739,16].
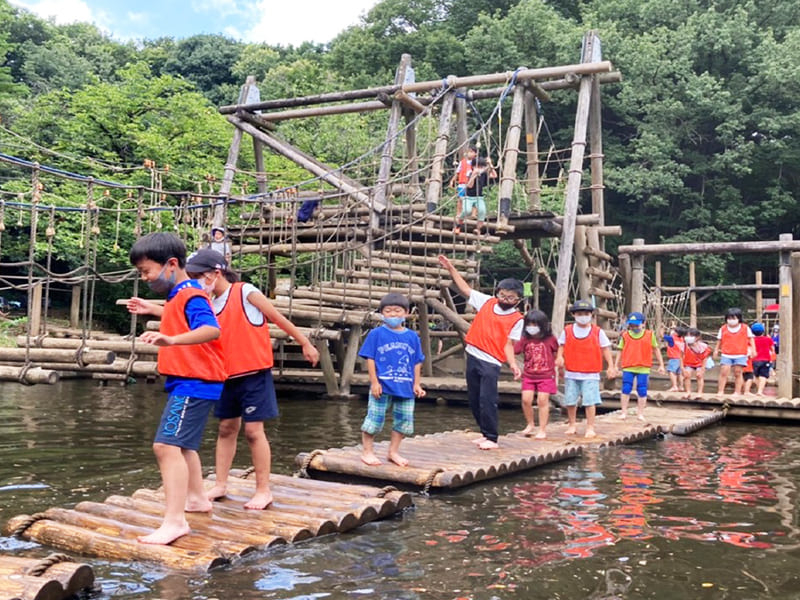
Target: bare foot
[368,458]
[216,492]
[397,459]
[673,389]
[590,433]
[259,501]
[488,445]
[541,435]
[528,430]
[198,505]
[478,441]
[164,535]
[623,416]
[572,430]
[640,417]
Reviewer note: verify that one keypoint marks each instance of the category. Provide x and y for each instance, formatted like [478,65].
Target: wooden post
[759,295]
[692,296]
[35,309]
[349,362]
[625,273]
[509,175]
[411,156]
[581,262]
[787,337]
[637,278]
[425,338]
[659,312]
[785,356]
[75,307]
[572,195]
[326,363]
[261,175]
[532,151]
[434,190]
[596,153]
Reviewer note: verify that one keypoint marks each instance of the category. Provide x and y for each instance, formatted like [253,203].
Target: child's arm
[419,391]
[374,384]
[560,356]
[201,335]
[460,282]
[657,352]
[512,362]
[139,306]
[272,314]
[611,371]
[618,357]
[716,347]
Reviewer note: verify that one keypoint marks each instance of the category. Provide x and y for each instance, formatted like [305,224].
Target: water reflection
[711,515]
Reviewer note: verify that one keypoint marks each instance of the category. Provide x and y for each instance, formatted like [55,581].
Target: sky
[270,21]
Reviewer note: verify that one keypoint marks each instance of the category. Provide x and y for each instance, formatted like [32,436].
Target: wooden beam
[785,363]
[508,177]
[532,152]
[434,189]
[781,245]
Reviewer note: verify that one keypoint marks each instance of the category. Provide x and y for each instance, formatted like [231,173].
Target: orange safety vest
[489,331]
[583,355]
[695,359]
[463,171]
[637,353]
[676,349]
[734,344]
[192,361]
[247,345]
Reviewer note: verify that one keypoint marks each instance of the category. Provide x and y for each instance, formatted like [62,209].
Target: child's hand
[662,370]
[445,262]
[611,373]
[156,338]
[311,353]
[376,389]
[138,306]
[559,361]
[419,391]
[517,371]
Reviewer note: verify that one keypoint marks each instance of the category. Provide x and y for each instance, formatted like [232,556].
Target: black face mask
[507,305]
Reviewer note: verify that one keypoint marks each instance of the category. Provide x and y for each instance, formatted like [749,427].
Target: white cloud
[65,11]
[223,8]
[137,17]
[297,21]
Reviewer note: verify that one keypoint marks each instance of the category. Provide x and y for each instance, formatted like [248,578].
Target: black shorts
[251,397]
[761,368]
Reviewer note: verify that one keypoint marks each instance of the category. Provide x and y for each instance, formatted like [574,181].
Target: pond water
[713,515]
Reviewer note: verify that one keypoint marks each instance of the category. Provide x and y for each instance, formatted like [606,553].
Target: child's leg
[724,370]
[738,379]
[572,390]
[625,394]
[224,453]
[762,383]
[373,423]
[394,449]
[748,383]
[481,210]
[701,380]
[590,414]
[543,402]
[175,479]
[642,381]
[368,453]
[591,400]
[262,463]
[527,411]
[196,500]
[687,382]
[402,425]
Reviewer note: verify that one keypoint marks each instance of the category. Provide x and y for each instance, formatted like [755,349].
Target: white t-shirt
[254,314]
[581,332]
[477,300]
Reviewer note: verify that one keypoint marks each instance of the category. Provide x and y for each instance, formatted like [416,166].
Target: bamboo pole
[508,177]
[785,361]
[434,189]
[532,151]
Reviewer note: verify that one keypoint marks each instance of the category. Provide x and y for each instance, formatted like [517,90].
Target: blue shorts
[736,361]
[587,389]
[251,397]
[641,383]
[183,422]
[674,365]
[402,414]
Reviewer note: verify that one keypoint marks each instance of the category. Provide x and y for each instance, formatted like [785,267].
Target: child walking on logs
[637,346]
[735,345]
[582,347]
[765,354]
[244,315]
[394,362]
[489,343]
[538,347]
[190,357]
[695,356]
[675,343]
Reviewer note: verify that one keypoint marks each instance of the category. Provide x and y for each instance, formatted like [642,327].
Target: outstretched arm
[272,314]
[461,283]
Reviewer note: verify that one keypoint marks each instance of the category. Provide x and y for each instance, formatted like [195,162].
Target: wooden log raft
[72,577]
[28,375]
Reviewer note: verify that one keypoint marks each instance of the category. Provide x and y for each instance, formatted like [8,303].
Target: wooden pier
[450,460]
[53,577]
[302,509]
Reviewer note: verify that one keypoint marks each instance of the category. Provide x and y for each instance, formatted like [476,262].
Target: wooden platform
[302,509]
[450,459]
[53,577]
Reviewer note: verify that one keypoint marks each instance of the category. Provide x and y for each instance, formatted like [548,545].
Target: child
[735,343]
[675,343]
[695,355]
[459,180]
[765,354]
[219,243]
[582,347]
[476,186]
[539,348]
[637,346]
[190,357]
[394,361]
[489,343]
[244,315]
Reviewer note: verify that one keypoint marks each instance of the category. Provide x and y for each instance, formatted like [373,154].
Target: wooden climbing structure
[449,459]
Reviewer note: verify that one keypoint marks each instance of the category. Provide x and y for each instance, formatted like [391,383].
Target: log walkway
[53,577]
[449,459]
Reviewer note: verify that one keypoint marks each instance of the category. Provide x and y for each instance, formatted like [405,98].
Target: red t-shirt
[539,355]
[764,347]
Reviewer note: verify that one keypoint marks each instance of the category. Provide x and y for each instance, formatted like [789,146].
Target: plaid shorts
[402,414]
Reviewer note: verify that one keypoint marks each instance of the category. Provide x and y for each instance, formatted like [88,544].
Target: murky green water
[714,515]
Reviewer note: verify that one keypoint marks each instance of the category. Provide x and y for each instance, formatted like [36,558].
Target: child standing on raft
[637,346]
[735,345]
[765,354]
[675,343]
[695,355]
[394,363]
[538,347]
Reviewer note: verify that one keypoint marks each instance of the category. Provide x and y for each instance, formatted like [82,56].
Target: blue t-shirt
[395,353]
[198,313]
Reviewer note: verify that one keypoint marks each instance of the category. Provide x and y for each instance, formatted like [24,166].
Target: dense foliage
[702,137]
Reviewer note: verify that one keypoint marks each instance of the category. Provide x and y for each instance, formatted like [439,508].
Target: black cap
[205,260]
[393,299]
[581,305]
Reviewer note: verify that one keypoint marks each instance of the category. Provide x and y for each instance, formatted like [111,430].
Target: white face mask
[532,330]
[208,288]
[690,339]
[583,319]
[733,322]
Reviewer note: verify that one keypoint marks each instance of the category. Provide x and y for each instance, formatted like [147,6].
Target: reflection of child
[637,346]
[765,354]
[538,347]
[674,341]
[394,361]
[735,344]
[695,354]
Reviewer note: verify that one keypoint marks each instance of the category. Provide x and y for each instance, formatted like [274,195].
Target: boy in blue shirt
[394,361]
